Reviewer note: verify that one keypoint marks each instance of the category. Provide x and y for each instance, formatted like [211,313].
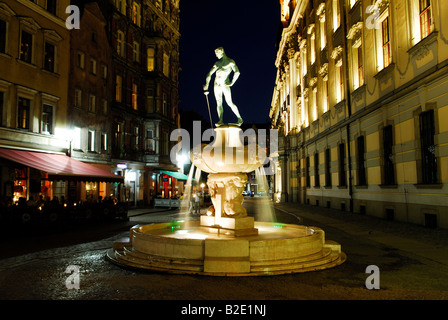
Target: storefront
[28,175]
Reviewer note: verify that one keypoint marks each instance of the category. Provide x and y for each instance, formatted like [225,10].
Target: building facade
[34,44]
[360,100]
[144,35]
[89,97]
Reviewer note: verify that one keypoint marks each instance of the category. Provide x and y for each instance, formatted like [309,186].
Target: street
[412,262]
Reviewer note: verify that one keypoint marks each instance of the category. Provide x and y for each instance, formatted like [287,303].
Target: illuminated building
[361,102]
[144,35]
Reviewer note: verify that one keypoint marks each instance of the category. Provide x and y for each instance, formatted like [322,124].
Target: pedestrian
[196,204]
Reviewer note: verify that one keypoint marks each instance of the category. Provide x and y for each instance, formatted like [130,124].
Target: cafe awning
[59,166]
[176,175]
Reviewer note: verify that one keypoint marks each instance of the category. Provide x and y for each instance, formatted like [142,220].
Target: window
[339,82]
[323,34]
[328,167]
[105,109]
[92,103]
[336,15]
[428,148]
[103,141]
[136,140]
[425,18]
[76,143]
[326,97]
[49,57]
[52,6]
[150,100]
[26,46]
[118,88]
[316,170]
[47,119]
[164,104]
[3,34]
[91,141]
[150,146]
[136,52]
[120,43]
[387,53]
[361,162]
[358,67]
[342,176]
[134,96]
[93,66]
[80,60]
[78,98]
[2,101]
[150,52]
[136,14]
[104,71]
[307,172]
[313,48]
[23,114]
[166,64]
[389,170]
[121,6]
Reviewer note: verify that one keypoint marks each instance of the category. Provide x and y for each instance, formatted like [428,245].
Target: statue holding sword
[223,68]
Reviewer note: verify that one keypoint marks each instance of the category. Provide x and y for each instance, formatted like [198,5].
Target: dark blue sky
[247,30]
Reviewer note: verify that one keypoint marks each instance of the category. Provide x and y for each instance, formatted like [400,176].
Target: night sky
[247,29]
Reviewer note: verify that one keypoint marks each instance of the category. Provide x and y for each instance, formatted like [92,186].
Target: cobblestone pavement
[412,261]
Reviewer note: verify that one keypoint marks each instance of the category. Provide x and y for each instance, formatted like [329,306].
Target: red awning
[59,166]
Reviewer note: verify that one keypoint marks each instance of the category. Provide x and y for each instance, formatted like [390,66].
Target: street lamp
[202,186]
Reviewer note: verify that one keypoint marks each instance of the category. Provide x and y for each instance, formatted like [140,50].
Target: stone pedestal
[238,227]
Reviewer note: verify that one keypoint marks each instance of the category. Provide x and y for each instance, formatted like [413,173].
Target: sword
[208,106]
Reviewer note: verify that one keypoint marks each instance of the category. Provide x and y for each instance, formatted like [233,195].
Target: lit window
[136,14]
[166,64]
[91,141]
[104,142]
[425,18]
[134,96]
[76,143]
[336,15]
[118,88]
[150,59]
[387,53]
[358,66]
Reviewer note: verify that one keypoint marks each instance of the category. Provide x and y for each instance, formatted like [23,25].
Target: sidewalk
[140,211]
[429,243]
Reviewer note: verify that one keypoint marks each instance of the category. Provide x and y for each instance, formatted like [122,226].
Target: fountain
[226,241]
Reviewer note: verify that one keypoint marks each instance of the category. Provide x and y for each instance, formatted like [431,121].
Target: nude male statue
[223,68]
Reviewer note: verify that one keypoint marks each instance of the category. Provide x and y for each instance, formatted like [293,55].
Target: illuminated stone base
[189,248]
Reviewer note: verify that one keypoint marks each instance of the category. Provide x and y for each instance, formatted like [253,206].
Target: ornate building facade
[360,100]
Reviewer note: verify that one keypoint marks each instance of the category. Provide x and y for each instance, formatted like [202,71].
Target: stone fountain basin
[188,247]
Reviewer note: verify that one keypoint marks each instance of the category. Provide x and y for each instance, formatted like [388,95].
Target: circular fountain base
[189,248]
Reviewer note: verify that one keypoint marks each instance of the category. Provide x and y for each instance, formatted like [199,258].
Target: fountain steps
[328,257]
